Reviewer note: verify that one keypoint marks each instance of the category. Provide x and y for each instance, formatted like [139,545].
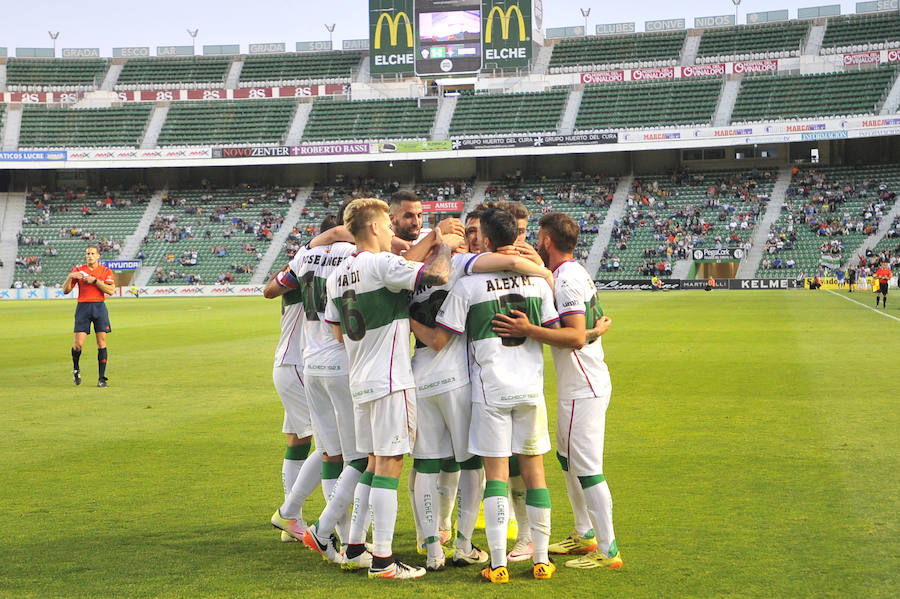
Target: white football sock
[496,510]
[289,471]
[384,517]
[599,505]
[517,495]
[426,496]
[305,483]
[341,497]
[471,488]
[576,499]
[361,516]
[411,487]
[539,517]
[447,485]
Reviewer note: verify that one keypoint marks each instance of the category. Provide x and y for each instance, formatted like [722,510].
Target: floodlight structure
[53,37]
[193,33]
[330,29]
[585,12]
[737,4]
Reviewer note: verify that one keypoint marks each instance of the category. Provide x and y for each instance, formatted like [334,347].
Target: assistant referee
[94,282]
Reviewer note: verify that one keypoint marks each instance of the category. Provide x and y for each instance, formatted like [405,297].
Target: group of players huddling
[468,406]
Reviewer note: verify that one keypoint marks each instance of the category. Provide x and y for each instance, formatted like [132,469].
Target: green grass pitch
[752,450]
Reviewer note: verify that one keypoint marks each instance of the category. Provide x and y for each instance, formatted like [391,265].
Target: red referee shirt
[90,292]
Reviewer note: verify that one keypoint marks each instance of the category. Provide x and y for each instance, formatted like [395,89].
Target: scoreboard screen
[448,37]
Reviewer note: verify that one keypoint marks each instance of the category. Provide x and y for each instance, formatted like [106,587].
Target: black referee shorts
[88,313]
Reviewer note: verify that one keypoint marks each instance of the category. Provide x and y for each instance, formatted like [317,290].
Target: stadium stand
[171,73]
[749,42]
[855,33]
[55,74]
[59,225]
[888,247]
[669,214]
[584,198]
[479,114]
[828,212]
[227,122]
[622,51]
[48,127]
[794,96]
[648,104]
[332,120]
[213,235]
[299,69]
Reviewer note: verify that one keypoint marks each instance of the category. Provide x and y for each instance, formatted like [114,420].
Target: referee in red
[883,274]
[94,282]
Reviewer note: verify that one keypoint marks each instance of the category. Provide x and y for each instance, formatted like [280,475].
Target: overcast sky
[105,25]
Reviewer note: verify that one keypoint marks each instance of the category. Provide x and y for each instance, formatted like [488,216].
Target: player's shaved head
[499,227]
[561,229]
[360,213]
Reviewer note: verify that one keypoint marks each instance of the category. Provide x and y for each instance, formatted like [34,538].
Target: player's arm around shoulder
[280,283]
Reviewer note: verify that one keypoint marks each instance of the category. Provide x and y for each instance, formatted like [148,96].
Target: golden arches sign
[393,26]
[505,18]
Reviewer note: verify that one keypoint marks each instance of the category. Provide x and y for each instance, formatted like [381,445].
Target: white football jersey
[437,372]
[368,296]
[580,373]
[324,355]
[292,340]
[505,372]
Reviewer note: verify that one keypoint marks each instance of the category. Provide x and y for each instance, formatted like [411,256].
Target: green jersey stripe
[478,321]
[370,310]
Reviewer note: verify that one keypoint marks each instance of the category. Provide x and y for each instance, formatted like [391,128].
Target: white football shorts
[501,432]
[331,410]
[288,381]
[580,429]
[443,421]
[386,426]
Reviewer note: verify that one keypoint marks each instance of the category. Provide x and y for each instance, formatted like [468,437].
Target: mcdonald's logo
[394,25]
[505,18]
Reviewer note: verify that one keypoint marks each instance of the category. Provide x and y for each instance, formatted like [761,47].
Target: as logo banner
[507,33]
[391,36]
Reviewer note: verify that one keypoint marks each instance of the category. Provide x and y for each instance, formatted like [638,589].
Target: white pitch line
[875,310]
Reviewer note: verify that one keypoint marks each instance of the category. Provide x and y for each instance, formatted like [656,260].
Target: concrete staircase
[814,40]
[12,125]
[298,124]
[12,211]
[479,191]
[132,243]
[112,75]
[892,102]
[747,268]
[681,268]
[157,119]
[268,259]
[616,210]
[445,110]
[541,62]
[869,242]
[234,73]
[570,114]
[690,47]
[727,98]
[3,77]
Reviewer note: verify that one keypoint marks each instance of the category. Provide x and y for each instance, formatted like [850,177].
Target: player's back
[368,297]
[505,371]
[323,354]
